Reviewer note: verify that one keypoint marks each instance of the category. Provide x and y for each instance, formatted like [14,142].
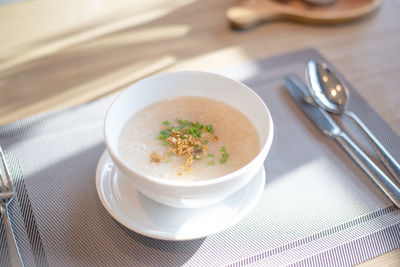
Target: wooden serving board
[252,12]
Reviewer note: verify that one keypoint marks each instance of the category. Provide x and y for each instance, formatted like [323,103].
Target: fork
[6,195]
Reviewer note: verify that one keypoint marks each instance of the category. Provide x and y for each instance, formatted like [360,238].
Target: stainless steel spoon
[331,94]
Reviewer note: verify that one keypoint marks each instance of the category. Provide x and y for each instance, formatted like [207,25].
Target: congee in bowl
[188,138]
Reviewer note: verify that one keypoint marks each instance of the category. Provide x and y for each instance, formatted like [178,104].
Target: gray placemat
[318,208]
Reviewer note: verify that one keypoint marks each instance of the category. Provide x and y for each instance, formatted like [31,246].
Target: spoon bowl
[330,93]
[326,88]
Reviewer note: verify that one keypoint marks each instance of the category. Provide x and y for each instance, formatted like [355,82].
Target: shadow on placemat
[316,200]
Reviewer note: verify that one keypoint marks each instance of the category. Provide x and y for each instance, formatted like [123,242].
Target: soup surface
[188,138]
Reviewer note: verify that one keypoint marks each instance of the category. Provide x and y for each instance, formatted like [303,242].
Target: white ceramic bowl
[188,83]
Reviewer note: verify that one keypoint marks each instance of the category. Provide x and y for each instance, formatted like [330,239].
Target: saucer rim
[242,213]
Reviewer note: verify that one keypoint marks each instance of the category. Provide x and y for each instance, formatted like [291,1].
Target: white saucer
[147,217]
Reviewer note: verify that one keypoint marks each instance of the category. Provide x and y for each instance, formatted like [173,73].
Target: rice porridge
[188,138]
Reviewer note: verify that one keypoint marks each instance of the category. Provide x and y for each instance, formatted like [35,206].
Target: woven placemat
[318,208]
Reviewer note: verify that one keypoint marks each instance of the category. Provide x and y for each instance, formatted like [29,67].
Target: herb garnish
[224,155]
[164,134]
[190,140]
[224,158]
[165,143]
[210,128]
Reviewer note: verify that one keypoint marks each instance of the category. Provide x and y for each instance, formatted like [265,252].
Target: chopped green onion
[165,143]
[195,132]
[170,154]
[210,155]
[205,142]
[167,161]
[164,134]
[182,124]
[222,161]
[165,123]
[196,157]
[225,155]
[209,128]
[210,163]
[223,149]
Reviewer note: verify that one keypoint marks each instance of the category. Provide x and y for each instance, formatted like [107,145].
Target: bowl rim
[192,184]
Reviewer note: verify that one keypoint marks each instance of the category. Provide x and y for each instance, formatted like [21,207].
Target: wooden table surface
[56,54]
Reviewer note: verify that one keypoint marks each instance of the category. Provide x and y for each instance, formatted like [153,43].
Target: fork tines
[6,188]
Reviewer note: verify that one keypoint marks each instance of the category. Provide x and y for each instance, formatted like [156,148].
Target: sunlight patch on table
[214,60]
[150,34]
[32,52]
[95,88]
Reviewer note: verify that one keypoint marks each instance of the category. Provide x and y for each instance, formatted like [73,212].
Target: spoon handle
[390,163]
[389,187]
